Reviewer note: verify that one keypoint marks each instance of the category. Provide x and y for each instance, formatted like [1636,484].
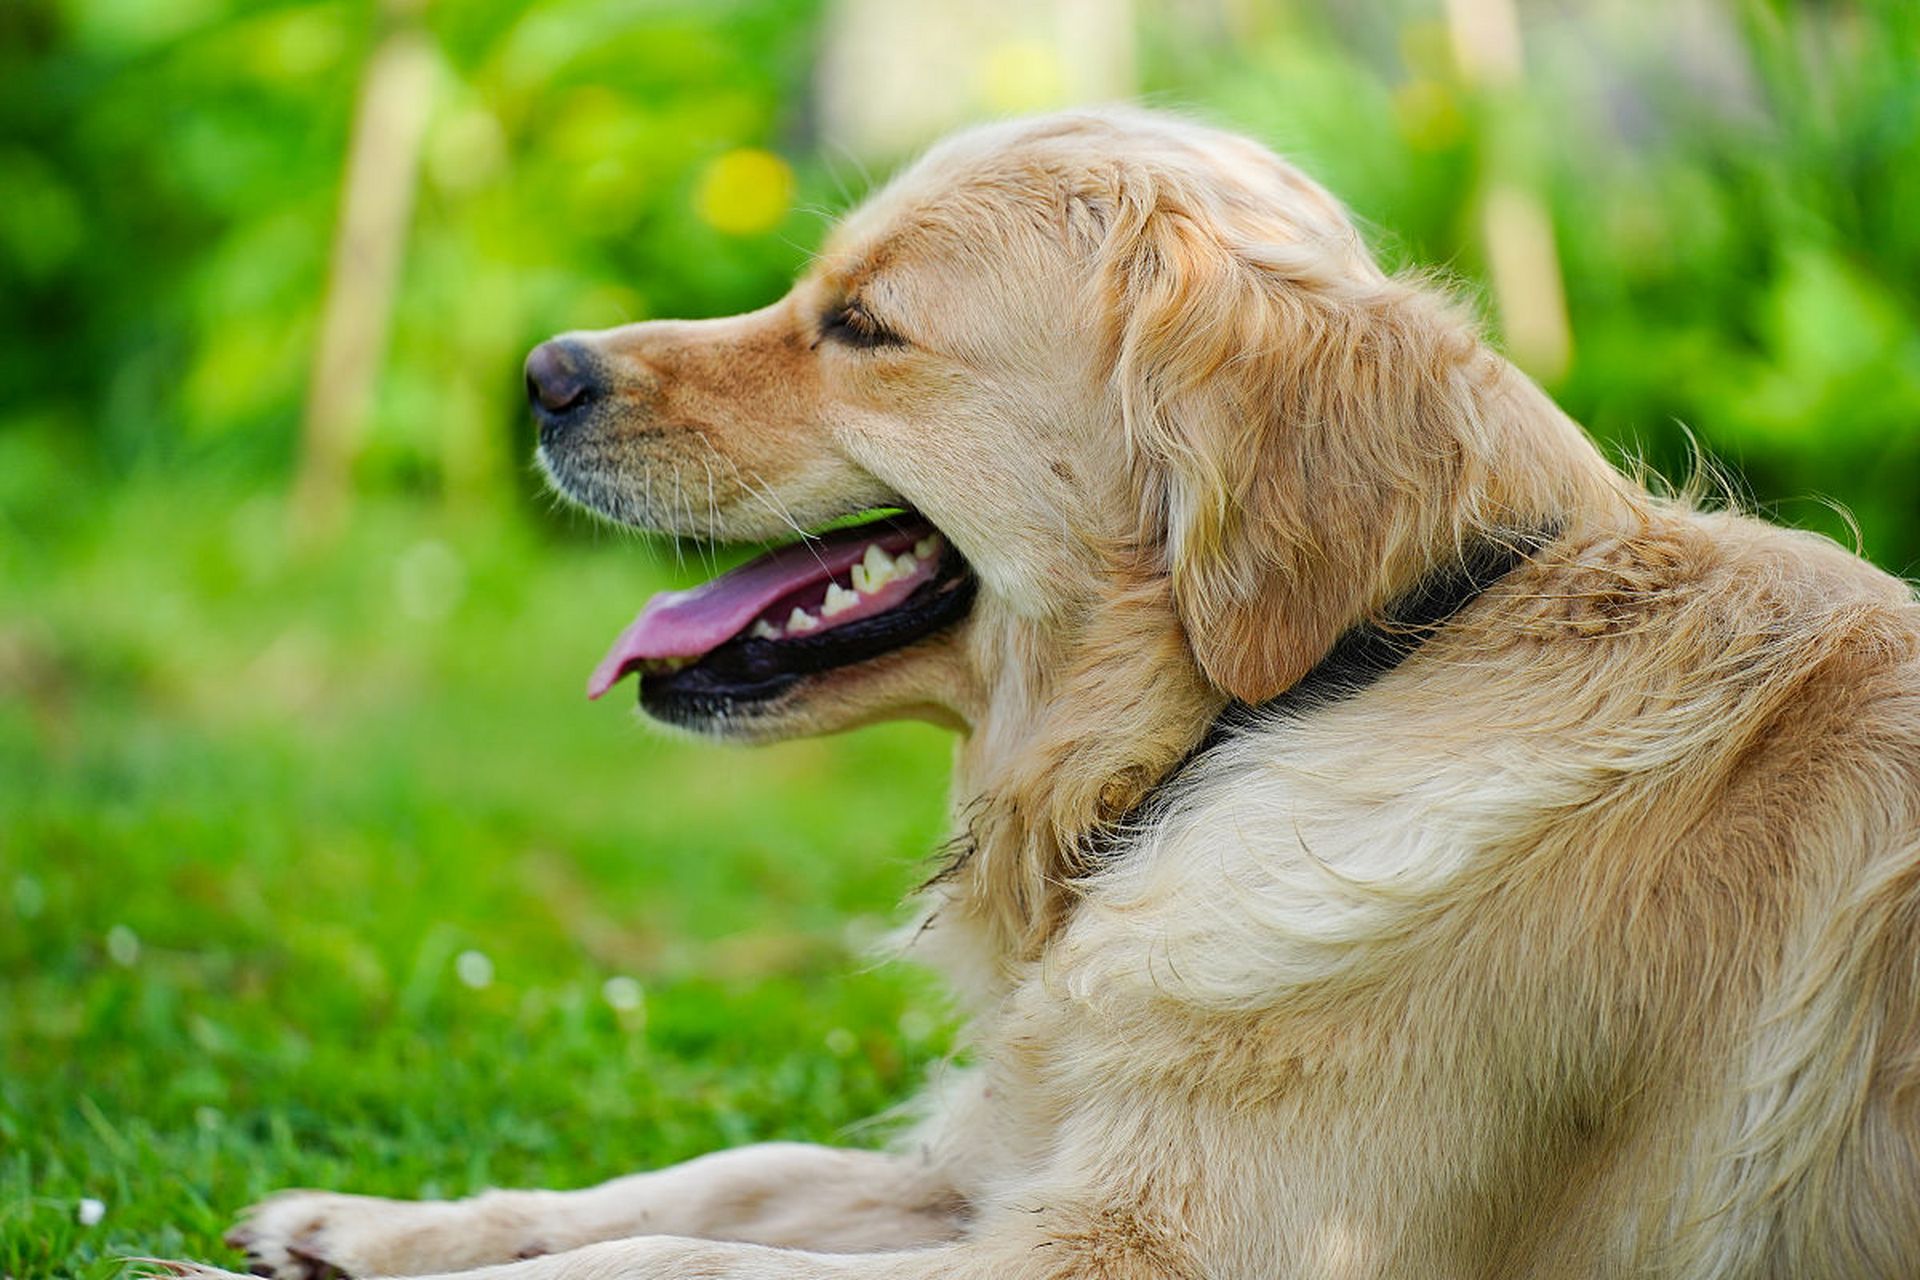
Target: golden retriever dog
[1388,840]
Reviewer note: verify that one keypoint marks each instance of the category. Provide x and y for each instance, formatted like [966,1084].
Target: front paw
[321,1235]
[161,1269]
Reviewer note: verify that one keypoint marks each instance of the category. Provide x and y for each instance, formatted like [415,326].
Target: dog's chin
[920,682]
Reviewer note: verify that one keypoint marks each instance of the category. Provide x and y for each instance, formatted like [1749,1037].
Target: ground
[316,868]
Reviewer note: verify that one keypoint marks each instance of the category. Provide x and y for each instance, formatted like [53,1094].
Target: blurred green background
[314,866]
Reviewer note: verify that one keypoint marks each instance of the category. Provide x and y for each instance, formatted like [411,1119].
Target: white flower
[89,1212]
[474,969]
[123,946]
[622,993]
[429,578]
[29,899]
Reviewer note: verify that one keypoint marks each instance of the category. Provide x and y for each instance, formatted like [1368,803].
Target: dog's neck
[1361,656]
[1080,736]
[1046,805]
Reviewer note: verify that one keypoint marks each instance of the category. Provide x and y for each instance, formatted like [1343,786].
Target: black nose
[559,379]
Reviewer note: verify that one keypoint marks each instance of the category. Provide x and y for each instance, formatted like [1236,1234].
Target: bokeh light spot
[1428,115]
[1021,75]
[744,192]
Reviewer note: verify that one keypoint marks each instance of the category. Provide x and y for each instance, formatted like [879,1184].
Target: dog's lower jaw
[927,680]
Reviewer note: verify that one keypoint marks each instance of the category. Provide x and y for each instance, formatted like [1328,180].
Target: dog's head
[1078,359]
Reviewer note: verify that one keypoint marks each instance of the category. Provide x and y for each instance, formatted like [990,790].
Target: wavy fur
[1584,943]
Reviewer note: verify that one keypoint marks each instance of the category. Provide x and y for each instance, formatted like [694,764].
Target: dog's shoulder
[1702,691]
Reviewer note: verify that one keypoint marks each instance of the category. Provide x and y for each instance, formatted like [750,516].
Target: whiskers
[760,491]
[666,497]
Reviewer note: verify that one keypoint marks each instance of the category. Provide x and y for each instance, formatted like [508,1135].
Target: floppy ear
[1301,427]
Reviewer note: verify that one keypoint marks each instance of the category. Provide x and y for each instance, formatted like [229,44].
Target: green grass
[254,806]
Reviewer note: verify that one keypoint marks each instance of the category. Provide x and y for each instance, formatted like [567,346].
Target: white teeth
[874,571]
[764,630]
[927,546]
[801,620]
[838,600]
[905,565]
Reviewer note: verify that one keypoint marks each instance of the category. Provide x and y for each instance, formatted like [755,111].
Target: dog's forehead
[993,183]
[926,228]
[1004,183]
[862,244]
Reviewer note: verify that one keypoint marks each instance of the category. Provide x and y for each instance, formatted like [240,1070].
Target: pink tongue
[687,624]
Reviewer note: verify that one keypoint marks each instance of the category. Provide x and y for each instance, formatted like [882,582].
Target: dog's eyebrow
[874,290]
[847,284]
[848,272]
[865,287]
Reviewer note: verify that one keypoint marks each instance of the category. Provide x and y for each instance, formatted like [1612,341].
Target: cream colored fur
[1585,943]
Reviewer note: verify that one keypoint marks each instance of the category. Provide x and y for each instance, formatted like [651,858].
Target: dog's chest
[1277,859]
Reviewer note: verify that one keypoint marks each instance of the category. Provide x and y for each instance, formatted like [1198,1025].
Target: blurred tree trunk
[1528,297]
[376,206]
[896,74]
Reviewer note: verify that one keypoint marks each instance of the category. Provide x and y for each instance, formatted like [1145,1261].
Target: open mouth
[826,601]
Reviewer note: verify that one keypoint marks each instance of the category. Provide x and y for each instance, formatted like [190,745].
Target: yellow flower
[744,192]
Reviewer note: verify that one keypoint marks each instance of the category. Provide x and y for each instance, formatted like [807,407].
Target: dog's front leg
[785,1194]
[1023,1253]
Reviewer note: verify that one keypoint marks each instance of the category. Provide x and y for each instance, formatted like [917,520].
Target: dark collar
[1358,658]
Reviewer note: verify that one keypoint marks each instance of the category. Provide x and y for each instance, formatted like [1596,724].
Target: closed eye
[851,325]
